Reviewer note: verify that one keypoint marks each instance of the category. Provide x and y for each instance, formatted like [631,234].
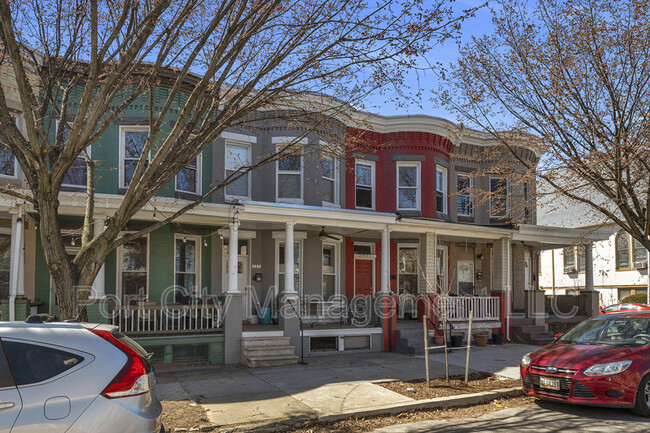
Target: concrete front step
[270,361]
[265,341]
[269,351]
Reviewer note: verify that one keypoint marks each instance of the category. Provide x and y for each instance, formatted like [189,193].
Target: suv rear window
[6,379]
[32,363]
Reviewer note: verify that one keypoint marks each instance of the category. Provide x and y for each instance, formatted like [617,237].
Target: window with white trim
[330,271]
[441,189]
[186,272]
[189,178]
[238,155]
[289,180]
[329,187]
[464,183]
[132,142]
[499,197]
[77,174]
[8,162]
[364,174]
[134,268]
[408,185]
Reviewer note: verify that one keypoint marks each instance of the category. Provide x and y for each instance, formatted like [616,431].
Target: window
[132,142]
[186,267]
[8,163]
[296,266]
[622,251]
[33,364]
[77,174]
[364,249]
[408,270]
[330,268]
[133,269]
[581,256]
[441,270]
[6,378]
[364,172]
[289,181]
[329,186]
[569,258]
[639,253]
[441,189]
[408,185]
[499,202]
[464,187]
[189,178]
[5,261]
[238,156]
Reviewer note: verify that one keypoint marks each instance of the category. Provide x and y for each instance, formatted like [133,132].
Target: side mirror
[558,335]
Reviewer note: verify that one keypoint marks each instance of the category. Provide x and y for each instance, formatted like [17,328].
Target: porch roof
[547,237]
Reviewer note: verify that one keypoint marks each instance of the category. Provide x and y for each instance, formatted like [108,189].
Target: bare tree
[571,80]
[84,61]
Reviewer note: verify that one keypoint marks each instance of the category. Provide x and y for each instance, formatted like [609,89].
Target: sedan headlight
[608,368]
[525,360]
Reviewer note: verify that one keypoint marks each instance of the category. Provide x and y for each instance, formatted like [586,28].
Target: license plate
[549,383]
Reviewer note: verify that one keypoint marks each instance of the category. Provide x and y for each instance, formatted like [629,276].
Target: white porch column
[508,281]
[233,258]
[589,268]
[289,279]
[16,282]
[385,260]
[99,285]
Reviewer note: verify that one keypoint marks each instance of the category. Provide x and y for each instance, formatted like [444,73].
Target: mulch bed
[183,414]
[478,382]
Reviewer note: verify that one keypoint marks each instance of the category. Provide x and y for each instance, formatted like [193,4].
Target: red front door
[363,277]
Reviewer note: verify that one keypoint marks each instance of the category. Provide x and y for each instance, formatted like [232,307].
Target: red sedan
[602,361]
[618,308]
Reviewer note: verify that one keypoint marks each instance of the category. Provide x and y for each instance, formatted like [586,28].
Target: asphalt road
[541,417]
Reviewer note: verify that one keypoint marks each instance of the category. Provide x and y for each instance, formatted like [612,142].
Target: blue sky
[427,81]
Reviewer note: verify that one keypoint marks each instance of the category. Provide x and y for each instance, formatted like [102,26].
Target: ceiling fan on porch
[323,235]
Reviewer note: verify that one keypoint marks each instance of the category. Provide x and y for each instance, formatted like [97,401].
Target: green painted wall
[161,262]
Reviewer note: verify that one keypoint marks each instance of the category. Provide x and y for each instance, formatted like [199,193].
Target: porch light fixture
[480,256]
[205,242]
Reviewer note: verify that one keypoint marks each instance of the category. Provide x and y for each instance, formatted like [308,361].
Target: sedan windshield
[615,331]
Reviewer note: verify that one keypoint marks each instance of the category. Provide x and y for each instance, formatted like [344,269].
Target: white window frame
[408,245]
[372,183]
[470,194]
[234,139]
[88,151]
[418,187]
[298,237]
[120,257]
[444,190]
[123,130]
[199,245]
[199,176]
[337,267]
[279,142]
[335,179]
[19,123]
[507,197]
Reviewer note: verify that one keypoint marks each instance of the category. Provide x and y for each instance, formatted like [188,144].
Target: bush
[639,298]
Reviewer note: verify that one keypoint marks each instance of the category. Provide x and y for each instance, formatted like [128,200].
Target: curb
[462,400]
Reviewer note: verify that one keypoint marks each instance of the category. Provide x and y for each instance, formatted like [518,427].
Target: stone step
[270,361]
[266,341]
[522,322]
[268,351]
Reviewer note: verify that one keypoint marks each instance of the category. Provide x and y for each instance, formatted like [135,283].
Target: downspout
[509,287]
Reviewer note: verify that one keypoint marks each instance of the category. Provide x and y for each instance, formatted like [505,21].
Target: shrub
[639,298]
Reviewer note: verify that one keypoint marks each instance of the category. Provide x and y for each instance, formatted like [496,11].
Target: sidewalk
[327,386]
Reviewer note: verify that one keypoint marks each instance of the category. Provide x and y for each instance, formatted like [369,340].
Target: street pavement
[327,385]
[541,417]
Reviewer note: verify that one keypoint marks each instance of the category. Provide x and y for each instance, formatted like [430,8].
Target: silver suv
[75,378]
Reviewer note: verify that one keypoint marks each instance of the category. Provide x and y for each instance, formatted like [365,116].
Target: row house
[337,233]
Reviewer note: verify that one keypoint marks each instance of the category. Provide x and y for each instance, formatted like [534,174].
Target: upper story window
[329,186]
[639,253]
[499,200]
[238,156]
[189,178]
[364,174]
[77,174]
[464,186]
[132,141]
[574,259]
[441,189]
[289,171]
[8,162]
[622,251]
[408,185]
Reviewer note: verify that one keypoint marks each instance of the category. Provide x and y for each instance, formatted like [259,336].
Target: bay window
[364,173]
[408,185]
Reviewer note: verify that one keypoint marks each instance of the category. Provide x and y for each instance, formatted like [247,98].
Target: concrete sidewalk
[326,386]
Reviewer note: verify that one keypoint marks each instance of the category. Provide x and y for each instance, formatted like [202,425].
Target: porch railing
[559,305]
[458,308]
[159,319]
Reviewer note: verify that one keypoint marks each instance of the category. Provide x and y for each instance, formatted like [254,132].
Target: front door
[363,281]
[243,282]
[465,278]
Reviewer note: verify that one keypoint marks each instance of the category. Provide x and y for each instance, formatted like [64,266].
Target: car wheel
[642,406]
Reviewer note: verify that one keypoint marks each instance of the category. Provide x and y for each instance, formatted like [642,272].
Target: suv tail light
[133,379]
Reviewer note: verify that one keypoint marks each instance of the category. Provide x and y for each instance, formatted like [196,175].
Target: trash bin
[264,314]
[497,338]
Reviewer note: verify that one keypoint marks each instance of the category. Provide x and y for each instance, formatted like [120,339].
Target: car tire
[642,406]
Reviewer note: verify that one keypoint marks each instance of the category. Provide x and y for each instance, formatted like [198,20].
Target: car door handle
[7,405]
